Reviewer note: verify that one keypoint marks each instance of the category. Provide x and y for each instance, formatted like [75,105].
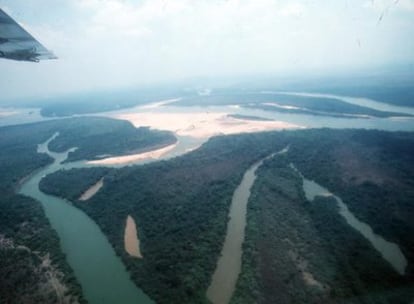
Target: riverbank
[122,160]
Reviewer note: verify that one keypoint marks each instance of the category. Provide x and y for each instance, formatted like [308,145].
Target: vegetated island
[393,93]
[98,137]
[32,266]
[288,104]
[303,248]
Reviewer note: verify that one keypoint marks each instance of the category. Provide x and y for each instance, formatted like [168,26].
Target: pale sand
[7,113]
[201,124]
[131,240]
[154,154]
[91,191]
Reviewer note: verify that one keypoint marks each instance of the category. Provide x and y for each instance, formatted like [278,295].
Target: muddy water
[229,264]
[100,272]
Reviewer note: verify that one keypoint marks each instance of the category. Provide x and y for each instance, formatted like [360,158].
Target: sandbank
[201,124]
[91,191]
[131,240]
[154,154]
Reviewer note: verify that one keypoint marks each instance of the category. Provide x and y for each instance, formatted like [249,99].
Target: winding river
[100,272]
[228,266]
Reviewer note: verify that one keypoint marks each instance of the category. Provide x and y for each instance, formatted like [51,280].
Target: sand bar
[131,240]
[201,124]
[154,154]
[91,191]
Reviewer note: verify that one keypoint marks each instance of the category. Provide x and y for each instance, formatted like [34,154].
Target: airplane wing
[17,44]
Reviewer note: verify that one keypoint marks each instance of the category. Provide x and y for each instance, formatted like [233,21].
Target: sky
[105,44]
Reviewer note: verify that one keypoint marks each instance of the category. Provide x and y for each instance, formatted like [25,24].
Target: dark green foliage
[67,184]
[372,171]
[287,236]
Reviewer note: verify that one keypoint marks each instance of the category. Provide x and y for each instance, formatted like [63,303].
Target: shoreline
[125,159]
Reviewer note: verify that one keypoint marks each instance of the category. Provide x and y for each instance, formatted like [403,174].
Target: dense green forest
[297,251]
[304,104]
[373,173]
[181,205]
[27,240]
[67,184]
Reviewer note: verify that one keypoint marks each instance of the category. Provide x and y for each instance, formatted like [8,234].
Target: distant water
[306,120]
[360,101]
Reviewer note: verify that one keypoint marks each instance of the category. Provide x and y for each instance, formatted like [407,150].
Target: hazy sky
[112,43]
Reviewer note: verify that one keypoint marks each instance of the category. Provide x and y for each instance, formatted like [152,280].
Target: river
[100,272]
[228,266]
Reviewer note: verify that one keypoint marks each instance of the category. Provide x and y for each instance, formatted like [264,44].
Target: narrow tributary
[228,266]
